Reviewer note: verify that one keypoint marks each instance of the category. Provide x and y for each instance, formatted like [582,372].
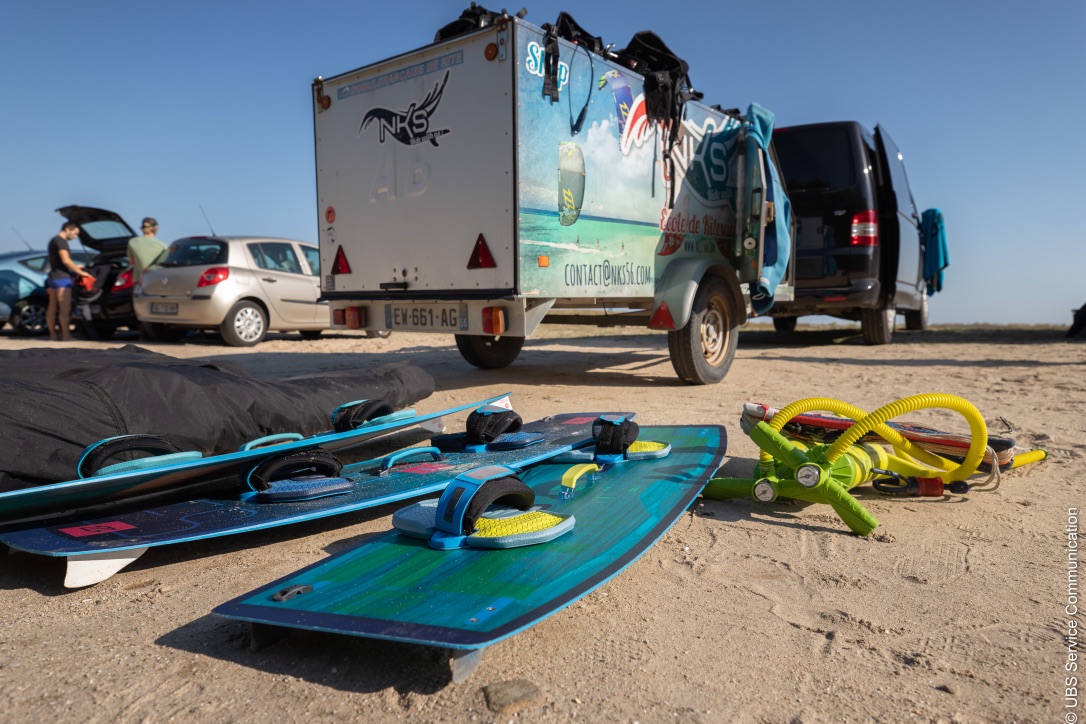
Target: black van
[858,244]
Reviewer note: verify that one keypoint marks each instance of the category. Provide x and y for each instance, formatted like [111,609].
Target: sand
[953,610]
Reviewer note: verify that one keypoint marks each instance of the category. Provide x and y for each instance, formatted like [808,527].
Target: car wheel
[917,319]
[378,333]
[164,332]
[310,334]
[28,318]
[877,325]
[245,325]
[488,353]
[785,324]
[703,350]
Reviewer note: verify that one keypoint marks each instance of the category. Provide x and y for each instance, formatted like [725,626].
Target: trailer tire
[703,350]
[488,353]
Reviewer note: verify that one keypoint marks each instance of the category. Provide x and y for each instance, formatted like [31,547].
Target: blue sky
[160,108]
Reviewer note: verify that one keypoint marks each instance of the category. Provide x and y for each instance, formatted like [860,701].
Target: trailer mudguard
[674,299]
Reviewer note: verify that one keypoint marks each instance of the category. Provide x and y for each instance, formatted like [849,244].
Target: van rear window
[815,159]
[196,252]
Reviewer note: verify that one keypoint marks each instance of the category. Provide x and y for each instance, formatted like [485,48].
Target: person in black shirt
[58,285]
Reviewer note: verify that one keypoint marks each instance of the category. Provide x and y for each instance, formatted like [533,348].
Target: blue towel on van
[936,257]
[778,242]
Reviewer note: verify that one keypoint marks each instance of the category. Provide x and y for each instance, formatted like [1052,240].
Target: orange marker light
[544,261]
[356,317]
[493,320]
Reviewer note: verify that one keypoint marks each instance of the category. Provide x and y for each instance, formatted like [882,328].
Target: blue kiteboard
[150,474]
[439,591]
[98,547]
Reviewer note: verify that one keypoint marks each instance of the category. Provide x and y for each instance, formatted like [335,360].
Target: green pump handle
[777,445]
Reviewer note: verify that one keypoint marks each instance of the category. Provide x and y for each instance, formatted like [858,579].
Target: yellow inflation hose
[945,470]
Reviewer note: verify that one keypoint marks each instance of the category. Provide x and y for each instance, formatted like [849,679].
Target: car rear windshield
[104,230]
[815,159]
[197,252]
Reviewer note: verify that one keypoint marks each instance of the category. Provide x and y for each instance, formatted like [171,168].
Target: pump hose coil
[946,470]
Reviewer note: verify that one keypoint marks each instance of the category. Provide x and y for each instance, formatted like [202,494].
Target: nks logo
[412,125]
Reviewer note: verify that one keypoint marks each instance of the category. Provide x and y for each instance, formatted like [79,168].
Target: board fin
[94,568]
[463,663]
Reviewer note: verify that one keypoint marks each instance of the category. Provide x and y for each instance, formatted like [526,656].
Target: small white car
[242,286]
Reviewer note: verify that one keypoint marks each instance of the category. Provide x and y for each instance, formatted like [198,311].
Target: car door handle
[269,279]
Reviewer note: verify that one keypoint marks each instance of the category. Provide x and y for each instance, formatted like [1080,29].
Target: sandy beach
[954,610]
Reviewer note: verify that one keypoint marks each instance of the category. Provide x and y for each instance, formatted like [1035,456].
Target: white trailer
[455,197]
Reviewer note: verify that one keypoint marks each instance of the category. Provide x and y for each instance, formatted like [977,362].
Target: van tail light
[124,281]
[213,276]
[865,228]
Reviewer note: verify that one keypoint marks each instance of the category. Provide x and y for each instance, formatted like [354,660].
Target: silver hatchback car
[243,286]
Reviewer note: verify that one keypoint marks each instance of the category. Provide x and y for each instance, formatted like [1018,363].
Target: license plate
[440,317]
[163,308]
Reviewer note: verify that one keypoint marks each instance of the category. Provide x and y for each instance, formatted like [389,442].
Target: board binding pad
[825,429]
[88,543]
[396,587]
[60,498]
[487,507]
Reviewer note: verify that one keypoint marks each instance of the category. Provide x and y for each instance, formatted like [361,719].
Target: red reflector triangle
[661,319]
[481,258]
[340,265]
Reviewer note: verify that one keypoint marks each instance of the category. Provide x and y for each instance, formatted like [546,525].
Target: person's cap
[149,221]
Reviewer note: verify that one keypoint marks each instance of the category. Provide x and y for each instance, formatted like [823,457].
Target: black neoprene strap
[356,415]
[308,462]
[612,438]
[509,491]
[153,444]
[485,427]
[550,63]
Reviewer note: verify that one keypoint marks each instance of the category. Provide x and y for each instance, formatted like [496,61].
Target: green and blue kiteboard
[438,589]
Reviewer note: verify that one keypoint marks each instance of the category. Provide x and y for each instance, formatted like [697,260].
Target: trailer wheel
[703,350]
[877,325]
[488,353]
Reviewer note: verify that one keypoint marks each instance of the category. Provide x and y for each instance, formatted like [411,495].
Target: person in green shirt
[144,250]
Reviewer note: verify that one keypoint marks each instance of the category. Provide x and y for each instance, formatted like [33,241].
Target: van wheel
[917,320]
[488,353]
[877,325]
[703,350]
[378,333]
[245,325]
[785,324]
